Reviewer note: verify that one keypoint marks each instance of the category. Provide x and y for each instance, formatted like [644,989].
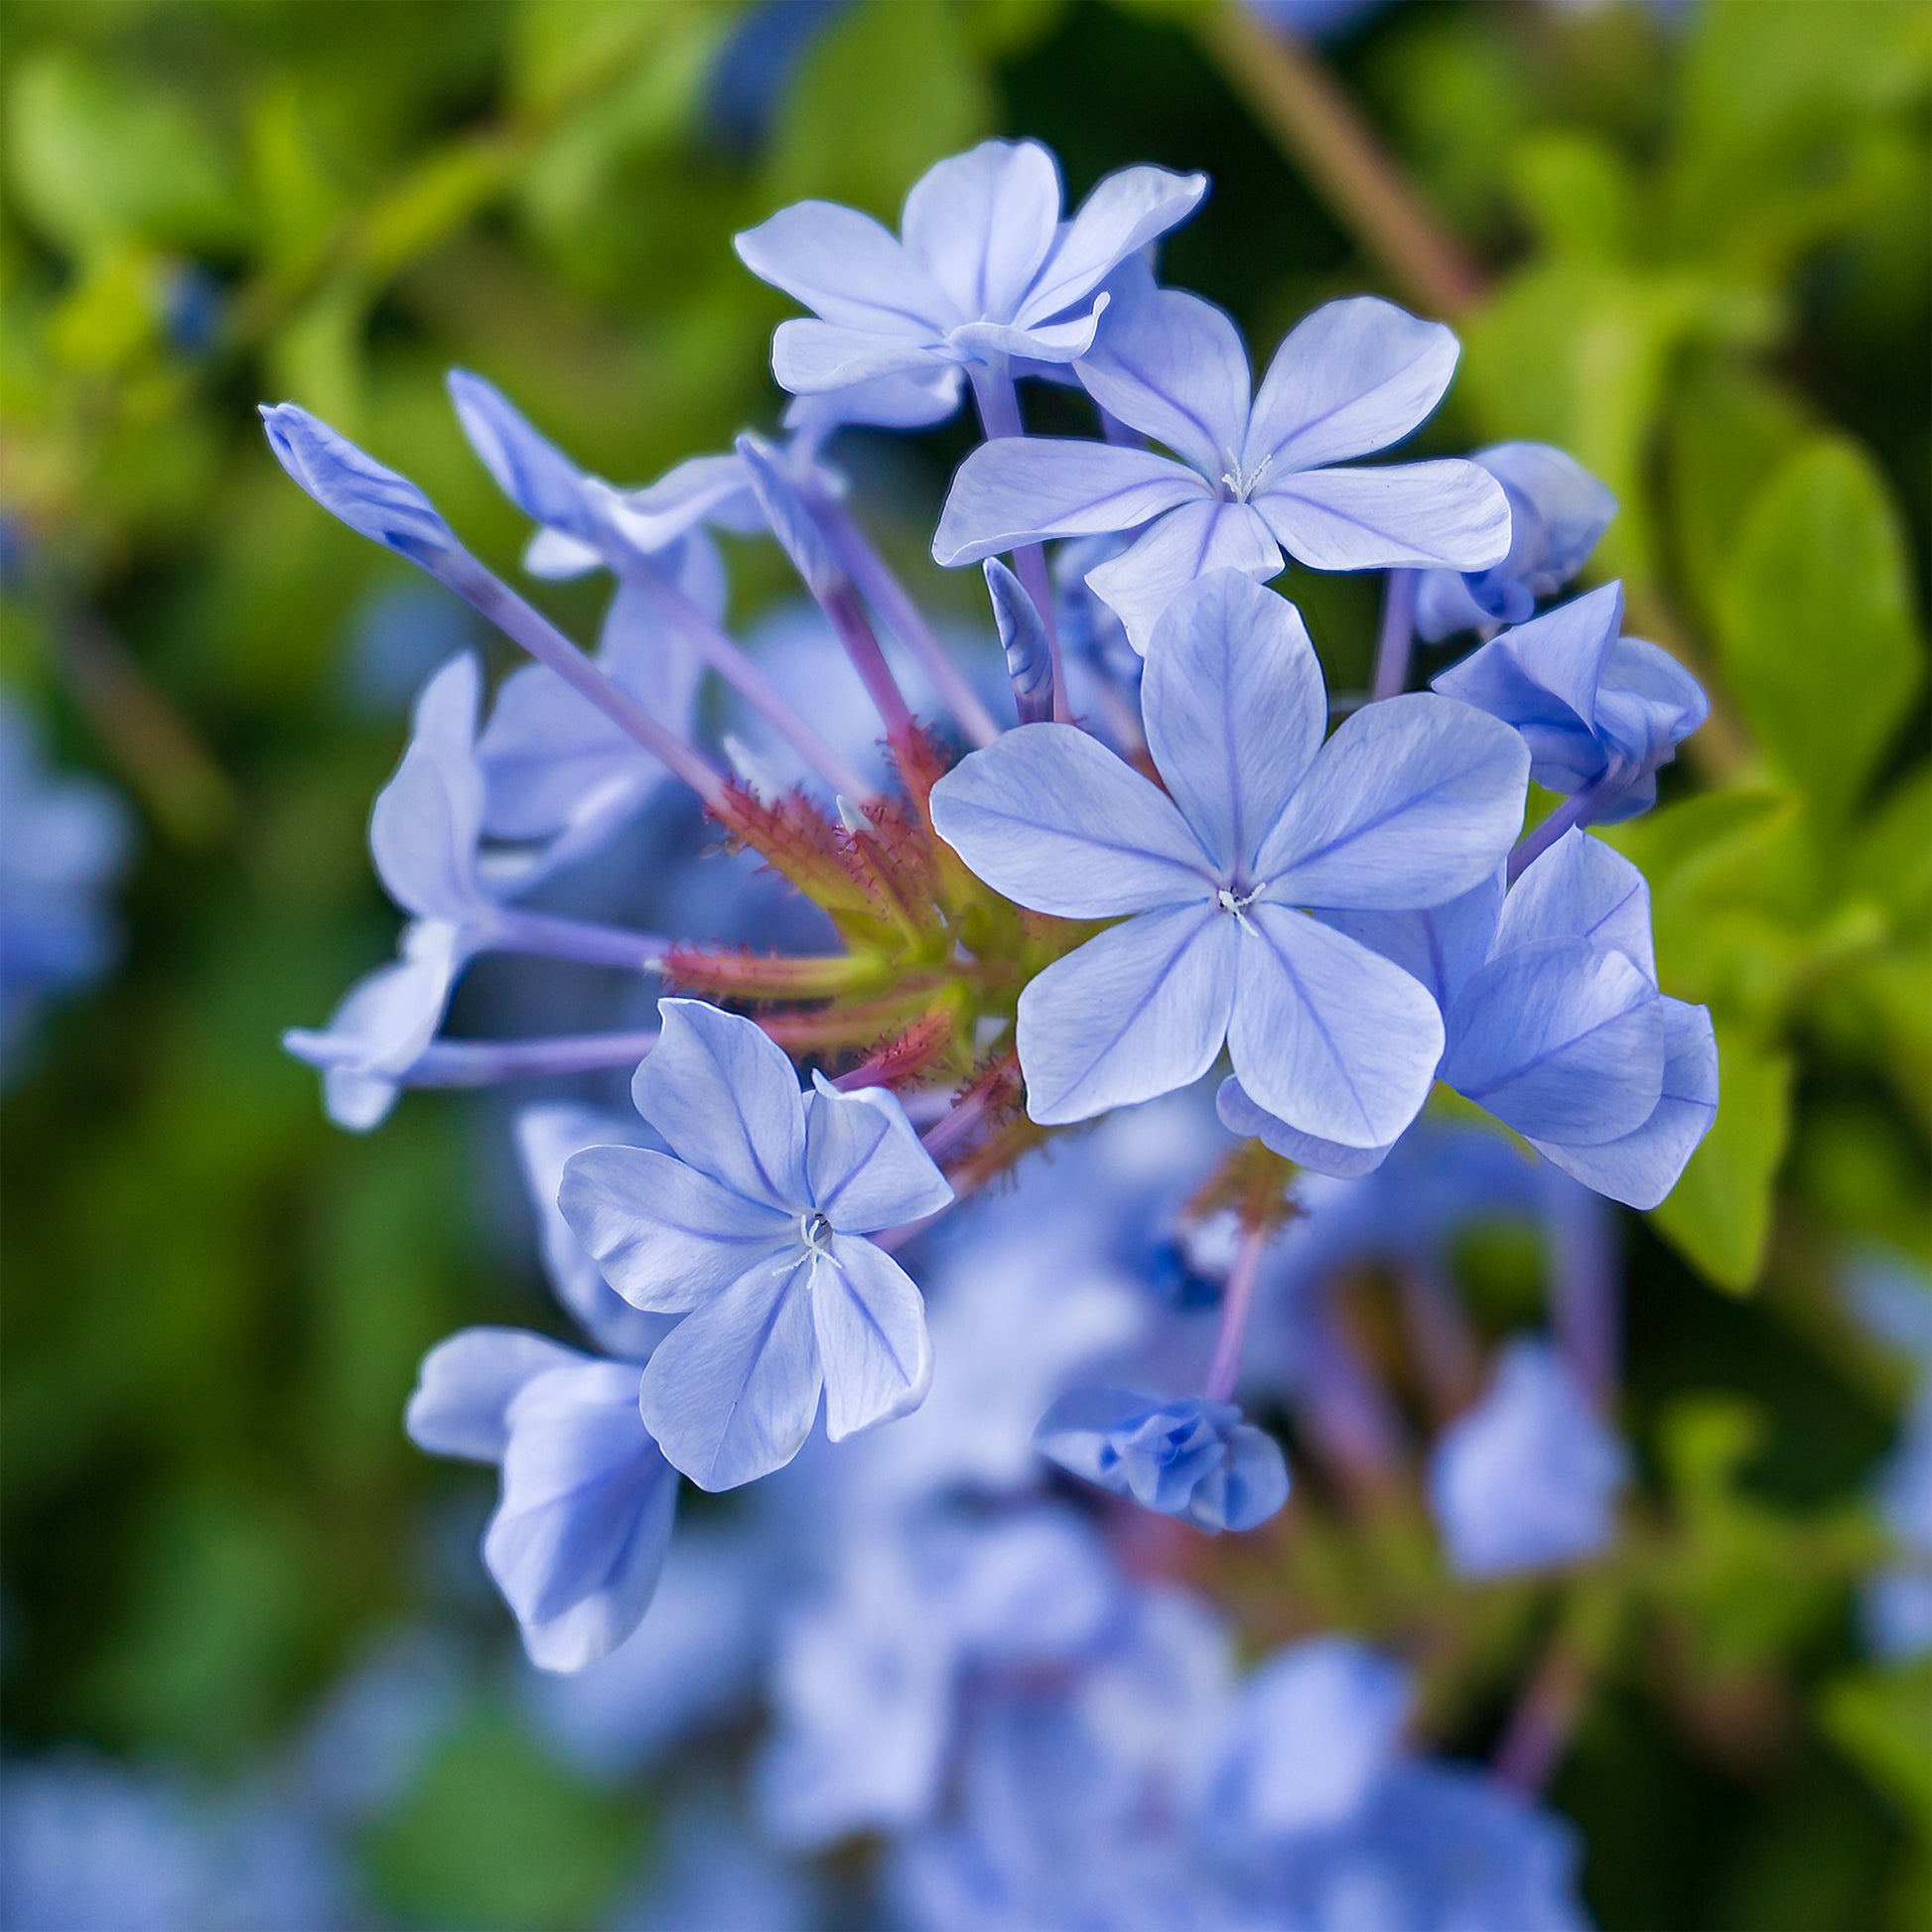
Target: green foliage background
[1706,259]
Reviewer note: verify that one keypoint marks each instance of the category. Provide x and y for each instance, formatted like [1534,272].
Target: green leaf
[1576,194]
[1878,1719]
[1719,1215]
[95,157]
[1816,632]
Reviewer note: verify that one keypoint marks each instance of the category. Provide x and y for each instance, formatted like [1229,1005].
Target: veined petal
[1542,676]
[1122,215]
[1353,377]
[863,1160]
[1242,1115]
[1409,804]
[1019,489]
[845,267]
[1450,515]
[1052,342]
[1562,1041]
[701,490]
[528,467]
[1137,1012]
[730,1392]
[1173,366]
[726,1099]
[372,499]
[814,357]
[1331,1038]
[666,1236]
[873,1345]
[1640,1168]
[1235,710]
[1051,818]
[1441,946]
[1581,890]
[980,225]
[465,1385]
[1182,547]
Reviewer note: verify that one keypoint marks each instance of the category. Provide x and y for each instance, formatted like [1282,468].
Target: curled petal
[1582,890]
[1443,946]
[465,1385]
[374,501]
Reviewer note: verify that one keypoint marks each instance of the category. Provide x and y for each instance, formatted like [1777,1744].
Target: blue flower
[1254,476]
[585,1517]
[372,499]
[1599,711]
[751,1228]
[1183,1456]
[1552,1023]
[1557,512]
[1528,1478]
[984,270]
[1410,803]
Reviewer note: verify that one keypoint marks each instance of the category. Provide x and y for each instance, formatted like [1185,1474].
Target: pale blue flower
[1183,1455]
[371,498]
[751,1230]
[1254,476]
[983,270]
[1557,512]
[1552,1023]
[1528,1479]
[1410,803]
[1599,711]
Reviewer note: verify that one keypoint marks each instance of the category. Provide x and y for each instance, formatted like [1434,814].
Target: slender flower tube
[1236,1304]
[1397,637]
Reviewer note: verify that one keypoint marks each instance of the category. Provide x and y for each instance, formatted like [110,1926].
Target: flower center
[1235,904]
[817,1233]
[1241,483]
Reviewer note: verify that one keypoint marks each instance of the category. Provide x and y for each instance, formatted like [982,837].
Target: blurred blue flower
[710,1872]
[1557,512]
[1527,1479]
[1183,1456]
[1254,476]
[986,269]
[1599,711]
[751,1228]
[1552,1023]
[1409,804]
[67,842]
[374,501]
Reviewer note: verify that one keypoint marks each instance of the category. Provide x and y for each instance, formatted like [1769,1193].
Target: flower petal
[1235,710]
[701,490]
[1125,211]
[1051,818]
[1173,368]
[1640,1168]
[465,1385]
[1443,946]
[428,818]
[1052,344]
[1181,548]
[726,1099]
[1018,489]
[730,1392]
[1240,1115]
[846,268]
[1581,890]
[1353,377]
[666,1236]
[1411,515]
[528,467]
[814,357]
[1409,804]
[864,1161]
[873,1345]
[1562,1041]
[980,225]
[1331,1038]
[1137,1012]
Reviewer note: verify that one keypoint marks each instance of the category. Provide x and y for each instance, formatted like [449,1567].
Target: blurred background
[1686,242]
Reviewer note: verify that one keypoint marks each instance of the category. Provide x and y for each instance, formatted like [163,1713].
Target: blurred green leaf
[1719,1215]
[95,156]
[1576,194]
[1817,635]
[1882,1721]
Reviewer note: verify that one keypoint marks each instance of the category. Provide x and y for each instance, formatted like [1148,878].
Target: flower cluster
[1098,862]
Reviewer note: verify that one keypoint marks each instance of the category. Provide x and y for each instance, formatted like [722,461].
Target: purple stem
[999,407]
[1236,1301]
[846,610]
[591,944]
[874,578]
[1397,637]
[482,1063]
[1539,1728]
[525,624]
[1584,1272]
[1439,1339]
[1577,809]
[952,1128]
[1348,1410]
[737,670]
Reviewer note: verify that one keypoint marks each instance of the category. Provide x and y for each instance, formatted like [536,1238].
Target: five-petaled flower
[751,1229]
[1410,803]
[1254,476]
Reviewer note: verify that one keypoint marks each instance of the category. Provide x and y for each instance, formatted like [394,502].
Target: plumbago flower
[1253,476]
[1410,803]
